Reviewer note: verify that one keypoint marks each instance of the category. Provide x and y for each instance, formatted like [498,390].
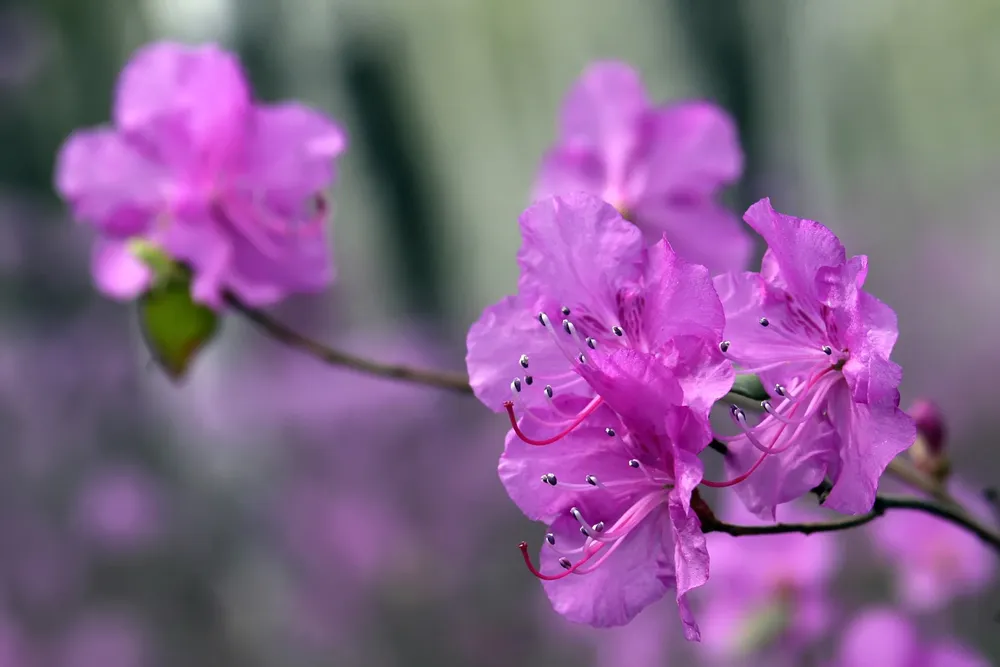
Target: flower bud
[930,425]
[928,452]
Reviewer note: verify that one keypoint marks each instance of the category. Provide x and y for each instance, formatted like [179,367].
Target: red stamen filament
[586,412]
[523,546]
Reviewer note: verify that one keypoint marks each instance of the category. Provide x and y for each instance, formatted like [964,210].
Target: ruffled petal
[578,251]
[187,105]
[870,438]
[108,183]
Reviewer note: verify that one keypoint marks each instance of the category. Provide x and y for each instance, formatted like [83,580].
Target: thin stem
[328,355]
[882,505]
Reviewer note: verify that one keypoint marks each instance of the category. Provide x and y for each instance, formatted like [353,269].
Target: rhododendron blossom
[590,287]
[193,166]
[662,167]
[821,346]
[614,405]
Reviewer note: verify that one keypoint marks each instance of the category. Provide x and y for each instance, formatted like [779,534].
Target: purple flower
[625,310]
[944,563]
[662,167]
[821,345]
[884,638]
[195,167]
[105,639]
[617,499]
[768,594]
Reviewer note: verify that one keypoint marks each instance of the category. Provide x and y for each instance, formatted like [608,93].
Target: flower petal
[690,149]
[578,251]
[783,477]
[699,230]
[187,105]
[567,169]
[289,153]
[586,451]
[600,113]
[108,183]
[496,341]
[637,574]
[117,272]
[797,249]
[870,438]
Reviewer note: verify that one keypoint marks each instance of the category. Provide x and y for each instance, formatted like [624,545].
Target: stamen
[524,361]
[724,346]
[523,546]
[550,479]
[634,463]
[516,385]
[598,527]
[827,350]
[617,330]
[543,319]
[591,343]
[582,358]
[550,538]
[565,311]
[610,431]
[780,390]
[579,419]
[528,380]
[548,391]
[568,327]
[591,479]
[764,322]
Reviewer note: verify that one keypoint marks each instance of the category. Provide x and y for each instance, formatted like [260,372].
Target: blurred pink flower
[885,638]
[934,561]
[662,167]
[768,595]
[195,167]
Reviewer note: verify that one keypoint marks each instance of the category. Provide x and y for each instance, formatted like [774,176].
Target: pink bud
[930,425]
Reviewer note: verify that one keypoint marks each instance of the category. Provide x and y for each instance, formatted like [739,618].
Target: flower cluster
[620,340]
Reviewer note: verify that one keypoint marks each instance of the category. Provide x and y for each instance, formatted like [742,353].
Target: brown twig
[882,505]
[281,333]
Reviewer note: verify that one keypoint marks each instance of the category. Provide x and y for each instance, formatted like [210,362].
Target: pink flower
[583,264]
[195,167]
[662,167]
[769,595]
[884,638]
[944,563]
[821,345]
[616,499]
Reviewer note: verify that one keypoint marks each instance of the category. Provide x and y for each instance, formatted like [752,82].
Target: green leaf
[174,327]
[749,386]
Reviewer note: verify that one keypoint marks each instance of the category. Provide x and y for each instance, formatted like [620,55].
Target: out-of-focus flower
[821,344]
[193,166]
[885,638]
[768,595]
[662,167]
[625,308]
[120,507]
[933,560]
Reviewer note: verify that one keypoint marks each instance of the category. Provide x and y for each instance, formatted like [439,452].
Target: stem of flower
[286,336]
[882,505]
